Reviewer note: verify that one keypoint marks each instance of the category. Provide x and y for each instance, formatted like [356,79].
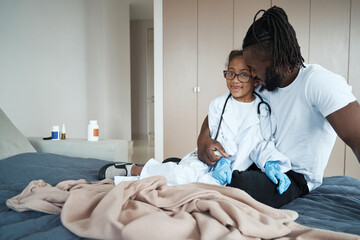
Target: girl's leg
[187,171]
[136,170]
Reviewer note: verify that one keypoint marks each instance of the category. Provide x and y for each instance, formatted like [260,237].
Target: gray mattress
[333,206]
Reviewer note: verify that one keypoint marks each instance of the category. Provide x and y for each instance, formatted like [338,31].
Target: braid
[273,32]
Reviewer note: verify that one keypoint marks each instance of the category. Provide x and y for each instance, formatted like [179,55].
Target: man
[309,103]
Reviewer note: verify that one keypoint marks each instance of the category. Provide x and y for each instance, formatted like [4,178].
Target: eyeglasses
[242,77]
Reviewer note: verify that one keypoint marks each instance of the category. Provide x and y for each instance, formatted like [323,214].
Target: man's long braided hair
[272,32]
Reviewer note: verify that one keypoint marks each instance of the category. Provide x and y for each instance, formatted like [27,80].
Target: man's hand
[207,146]
[206,151]
[272,170]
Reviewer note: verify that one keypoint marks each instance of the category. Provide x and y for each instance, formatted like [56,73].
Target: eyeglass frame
[238,75]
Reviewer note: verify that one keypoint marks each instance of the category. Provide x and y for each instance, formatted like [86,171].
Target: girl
[234,122]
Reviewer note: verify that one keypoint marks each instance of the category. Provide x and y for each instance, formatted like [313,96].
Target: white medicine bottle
[93,131]
[55,133]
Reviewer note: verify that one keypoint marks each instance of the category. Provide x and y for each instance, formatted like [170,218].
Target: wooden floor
[142,151]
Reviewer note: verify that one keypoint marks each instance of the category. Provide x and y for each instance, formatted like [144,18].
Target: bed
[335,205]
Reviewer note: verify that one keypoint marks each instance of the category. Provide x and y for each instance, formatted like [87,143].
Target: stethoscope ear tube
[262,102]
[267,105]
[217,132]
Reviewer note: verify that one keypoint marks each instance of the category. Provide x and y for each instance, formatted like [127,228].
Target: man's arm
[206,146]
[346,123]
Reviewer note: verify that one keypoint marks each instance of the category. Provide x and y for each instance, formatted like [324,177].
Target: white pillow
[12,141]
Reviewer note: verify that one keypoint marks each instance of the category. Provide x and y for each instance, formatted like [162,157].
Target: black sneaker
[113,169]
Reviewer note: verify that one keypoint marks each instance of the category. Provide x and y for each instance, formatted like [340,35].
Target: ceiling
[141,9]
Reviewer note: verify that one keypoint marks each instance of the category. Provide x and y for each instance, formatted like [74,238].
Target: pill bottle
[63,132]
[93,131]
[55,133]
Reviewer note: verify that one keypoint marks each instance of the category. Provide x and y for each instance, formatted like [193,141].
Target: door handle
[196,89]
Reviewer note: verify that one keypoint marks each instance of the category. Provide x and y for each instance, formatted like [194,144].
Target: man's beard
[272,79]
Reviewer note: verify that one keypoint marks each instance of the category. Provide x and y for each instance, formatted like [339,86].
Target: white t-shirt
[234,118]
[303,133]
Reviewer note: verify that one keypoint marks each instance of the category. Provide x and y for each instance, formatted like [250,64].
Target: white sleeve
[328,92]
[266,151]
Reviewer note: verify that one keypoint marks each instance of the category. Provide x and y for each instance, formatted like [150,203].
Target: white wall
[66,62]
[138,36]
[158,80]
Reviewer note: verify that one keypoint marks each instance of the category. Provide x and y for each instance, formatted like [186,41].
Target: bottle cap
[55,128]
[93,122]
[63,128]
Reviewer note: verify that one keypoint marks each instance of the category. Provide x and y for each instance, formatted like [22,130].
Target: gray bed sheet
[333,206]
[15,174]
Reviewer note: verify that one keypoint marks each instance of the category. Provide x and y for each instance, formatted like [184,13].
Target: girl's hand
[223,172]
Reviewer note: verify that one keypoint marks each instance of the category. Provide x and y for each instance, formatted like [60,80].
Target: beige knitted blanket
[150,209]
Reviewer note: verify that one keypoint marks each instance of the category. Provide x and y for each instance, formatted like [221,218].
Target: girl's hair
[273,33]
[233,54]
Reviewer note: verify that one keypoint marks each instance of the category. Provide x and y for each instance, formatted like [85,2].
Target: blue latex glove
[222,171]
[272,170]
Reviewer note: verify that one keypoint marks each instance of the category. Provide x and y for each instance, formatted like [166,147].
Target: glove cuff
[272,164]
[225,160]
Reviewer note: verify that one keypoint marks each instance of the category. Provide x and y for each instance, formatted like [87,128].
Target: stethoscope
[258,112]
